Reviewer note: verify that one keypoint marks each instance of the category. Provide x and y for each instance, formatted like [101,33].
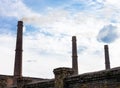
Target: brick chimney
[74,56]
[107,61]
[18,52]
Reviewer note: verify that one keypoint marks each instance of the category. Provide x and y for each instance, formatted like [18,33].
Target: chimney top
[73,37]
[20,22]
[106,46]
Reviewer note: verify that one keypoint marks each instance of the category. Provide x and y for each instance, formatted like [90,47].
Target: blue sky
[48,28]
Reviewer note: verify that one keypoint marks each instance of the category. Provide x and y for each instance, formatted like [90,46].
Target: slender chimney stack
[18,52]
[74,56]
[107,61]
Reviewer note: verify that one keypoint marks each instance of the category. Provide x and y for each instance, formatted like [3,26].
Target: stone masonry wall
[41,84]
[102,79]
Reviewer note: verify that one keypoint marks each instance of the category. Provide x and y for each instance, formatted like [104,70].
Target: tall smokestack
[74,56]
[107,61]
[18,52]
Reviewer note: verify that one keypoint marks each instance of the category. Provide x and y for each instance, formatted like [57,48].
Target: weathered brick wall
[5,81]
[41,84]
[101,79]
[95,85]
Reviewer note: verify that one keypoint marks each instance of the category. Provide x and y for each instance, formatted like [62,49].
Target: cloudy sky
[48,28]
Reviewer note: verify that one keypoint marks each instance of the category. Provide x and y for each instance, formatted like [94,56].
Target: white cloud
[43,53]
[15,9]
[113,2]
[108,34]
[7,44]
